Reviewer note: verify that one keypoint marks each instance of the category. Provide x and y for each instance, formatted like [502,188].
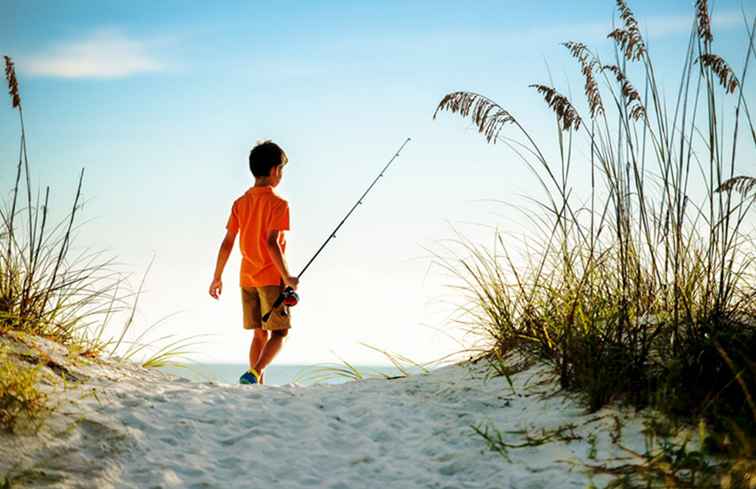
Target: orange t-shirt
[254,215]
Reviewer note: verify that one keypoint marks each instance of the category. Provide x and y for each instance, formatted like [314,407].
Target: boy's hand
[292,282]
[216,288]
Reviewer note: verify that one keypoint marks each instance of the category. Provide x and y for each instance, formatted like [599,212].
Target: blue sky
[161,102]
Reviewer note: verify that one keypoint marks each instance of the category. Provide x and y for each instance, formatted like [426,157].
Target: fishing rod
[289,297]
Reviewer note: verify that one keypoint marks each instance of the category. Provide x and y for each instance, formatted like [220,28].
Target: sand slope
[149,430]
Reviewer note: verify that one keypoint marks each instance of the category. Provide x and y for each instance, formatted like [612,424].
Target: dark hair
[264,157]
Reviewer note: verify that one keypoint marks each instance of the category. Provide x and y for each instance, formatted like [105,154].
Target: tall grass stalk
[43,291]
[46,290]
[642,286]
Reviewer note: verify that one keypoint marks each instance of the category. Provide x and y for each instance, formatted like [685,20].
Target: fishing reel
[290,297]
[287,297]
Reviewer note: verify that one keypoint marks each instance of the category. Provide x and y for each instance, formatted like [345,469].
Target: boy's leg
[271,349]
[259,340]
[253,321]
[278,323]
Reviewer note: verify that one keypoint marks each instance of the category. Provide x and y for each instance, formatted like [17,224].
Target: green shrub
[22,404]
[669,463]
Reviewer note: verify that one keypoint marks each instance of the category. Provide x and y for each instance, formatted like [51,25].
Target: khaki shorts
[256,301]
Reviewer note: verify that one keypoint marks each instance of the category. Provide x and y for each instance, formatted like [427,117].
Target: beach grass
[345,371]
[49,291]
[639,286]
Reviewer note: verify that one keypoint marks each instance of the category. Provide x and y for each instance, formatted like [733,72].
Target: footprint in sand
[248,435]
[231,462]
[451,469]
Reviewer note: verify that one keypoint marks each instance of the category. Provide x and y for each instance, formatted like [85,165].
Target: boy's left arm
[216,286]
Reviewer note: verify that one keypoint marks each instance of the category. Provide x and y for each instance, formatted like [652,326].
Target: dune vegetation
[638,285]
[49,291]
[641,288]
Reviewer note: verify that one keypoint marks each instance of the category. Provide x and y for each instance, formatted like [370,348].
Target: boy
[260,217]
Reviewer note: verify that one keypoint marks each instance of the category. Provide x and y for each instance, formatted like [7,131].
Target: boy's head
[266,160]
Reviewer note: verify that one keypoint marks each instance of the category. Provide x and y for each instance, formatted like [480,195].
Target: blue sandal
[250,377]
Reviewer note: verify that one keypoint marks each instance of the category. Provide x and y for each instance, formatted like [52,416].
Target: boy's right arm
[216,286]
[279,261]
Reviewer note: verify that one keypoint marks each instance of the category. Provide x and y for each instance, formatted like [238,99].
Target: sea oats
[629,93]
[627,15]
[10,75]
[566,113]
[629,39]
[742,184]
[719,67]
[704,21]
[633,270]
[487,115]
[580,52]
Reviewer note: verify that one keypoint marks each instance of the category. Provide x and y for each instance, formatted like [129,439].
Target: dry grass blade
[566,113]
[719,67]
[329,372]
[170,351]
[403,364]
[629,39]
[742,184]
[704,21]
[486,114]
[743,384]
[580,52]
[10,75]
[631,95]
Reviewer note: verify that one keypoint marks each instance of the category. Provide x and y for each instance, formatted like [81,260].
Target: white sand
[149,430]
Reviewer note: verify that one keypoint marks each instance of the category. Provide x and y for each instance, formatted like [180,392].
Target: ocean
[228,373]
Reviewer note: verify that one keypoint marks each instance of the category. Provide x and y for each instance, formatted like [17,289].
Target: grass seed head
[487,115]
[704,21]
[627,15]
[10,75]
[580,52]
[629,39]
[629,92]
[742,184]
[719,67]
[565,111]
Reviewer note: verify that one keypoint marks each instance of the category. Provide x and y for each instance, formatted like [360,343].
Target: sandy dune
[145,429]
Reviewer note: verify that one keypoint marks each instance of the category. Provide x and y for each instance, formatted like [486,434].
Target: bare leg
[259,341]
[271,349]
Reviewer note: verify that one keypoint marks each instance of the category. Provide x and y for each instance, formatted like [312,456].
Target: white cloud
[103,54]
